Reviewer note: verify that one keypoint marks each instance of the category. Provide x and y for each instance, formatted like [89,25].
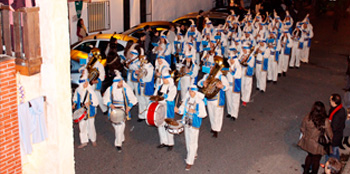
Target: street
[262,140]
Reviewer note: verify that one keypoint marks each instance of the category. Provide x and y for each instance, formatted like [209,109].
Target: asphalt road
[262,140]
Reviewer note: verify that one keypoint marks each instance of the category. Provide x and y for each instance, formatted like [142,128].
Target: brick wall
[10,156]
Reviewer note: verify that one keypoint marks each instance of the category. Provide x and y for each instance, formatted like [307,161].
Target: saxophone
[211,90]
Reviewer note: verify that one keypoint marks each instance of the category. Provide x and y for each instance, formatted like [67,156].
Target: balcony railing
[20,38]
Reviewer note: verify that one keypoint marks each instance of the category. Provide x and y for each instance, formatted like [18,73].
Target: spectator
[347,87]
[333,166]
[200,20]
[310,129]
[81,30]
[148,38]
[337,116]
[346,132]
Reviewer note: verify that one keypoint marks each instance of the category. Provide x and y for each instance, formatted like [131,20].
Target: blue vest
[196,121]
[92,109]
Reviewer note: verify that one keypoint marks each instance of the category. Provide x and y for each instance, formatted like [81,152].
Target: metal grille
[98,16]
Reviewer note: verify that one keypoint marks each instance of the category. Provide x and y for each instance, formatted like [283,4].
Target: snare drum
[175,127]
[117,115]
[79,114]
[155,114]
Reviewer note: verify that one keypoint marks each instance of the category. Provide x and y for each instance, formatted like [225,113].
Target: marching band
[225,57]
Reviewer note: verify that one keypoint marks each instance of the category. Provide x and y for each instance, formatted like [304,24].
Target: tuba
[93,73]
[211,90]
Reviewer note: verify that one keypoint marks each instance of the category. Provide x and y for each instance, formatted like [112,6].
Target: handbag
[324,140]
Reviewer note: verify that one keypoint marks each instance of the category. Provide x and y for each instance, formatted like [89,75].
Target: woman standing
[311,130]
[81,30]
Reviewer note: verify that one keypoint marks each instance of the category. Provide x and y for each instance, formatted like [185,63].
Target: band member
[132,65]
[233,92]
[247,60]
[297,47]
[308,34]
[208,28]
[189,71]
[161,66]
[288,22]
[167,90]
[120,96]
[217,103]
[285,44]
[207,60]
[194,36]
[270,52]
[261,65]
[163,48]
[193,110]
[85,96]
[145,85]
[178,50]
[97,84]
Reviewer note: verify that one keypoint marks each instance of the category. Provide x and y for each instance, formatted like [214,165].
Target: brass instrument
[127,63]
[93,73]
[142,70]
[211,90]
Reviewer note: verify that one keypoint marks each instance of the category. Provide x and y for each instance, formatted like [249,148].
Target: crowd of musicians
[195,74]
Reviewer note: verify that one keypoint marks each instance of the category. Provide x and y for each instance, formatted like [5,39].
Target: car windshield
[86,46]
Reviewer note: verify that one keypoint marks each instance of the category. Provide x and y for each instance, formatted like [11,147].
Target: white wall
[56,154]
[172,9]
[161,10]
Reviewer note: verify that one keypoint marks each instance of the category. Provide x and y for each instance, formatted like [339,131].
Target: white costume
[270,53]
[168,91]
[119,98]
[217,103]
[81,97]
[261,66]
[308,34]
[297,42]
[247,73]
[285,44]
[233,92]
[191,71]
[192,121]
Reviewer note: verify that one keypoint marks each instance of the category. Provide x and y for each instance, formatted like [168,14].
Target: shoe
[297,67]
[244,103]
[291,67]
[257,89]
[119,149]
[170,148]
[211,131]
[228,116]
[262,91]
[82,145]
[105,113]
[268,81]
[274,82]
[233,118]
[284,74]
[161,146]
[188,167]
[279,74]
[140,120]
[215,134]
[94,144]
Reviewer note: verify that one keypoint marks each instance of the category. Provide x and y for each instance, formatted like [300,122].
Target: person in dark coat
[200,20]
[337,116]
[346,132]
[310,129]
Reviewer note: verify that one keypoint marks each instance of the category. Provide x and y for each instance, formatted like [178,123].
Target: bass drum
[117,115]
[79,114]
[155,114]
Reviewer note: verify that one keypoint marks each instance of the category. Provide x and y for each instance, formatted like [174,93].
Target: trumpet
[142,70]
[244,61]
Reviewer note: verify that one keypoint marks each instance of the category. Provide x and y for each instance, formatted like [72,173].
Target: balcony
[20,38]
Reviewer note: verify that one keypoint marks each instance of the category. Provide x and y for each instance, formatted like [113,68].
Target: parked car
[227,10]
[81,50]
[215,17]
[136,30]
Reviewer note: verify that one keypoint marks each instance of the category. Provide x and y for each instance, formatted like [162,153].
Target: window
[86,46]
[98,16]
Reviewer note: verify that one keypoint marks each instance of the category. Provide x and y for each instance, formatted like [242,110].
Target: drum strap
[84,98]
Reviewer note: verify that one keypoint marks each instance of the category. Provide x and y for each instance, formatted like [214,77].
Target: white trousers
[285,61]
[247,85]
[87,130]
[295,57]
[100,101]
[191,138]
[119,133]
[260,75]
[272,69]
[305,53]
[165,137]
[233,100]
[143,101]
[216,115]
